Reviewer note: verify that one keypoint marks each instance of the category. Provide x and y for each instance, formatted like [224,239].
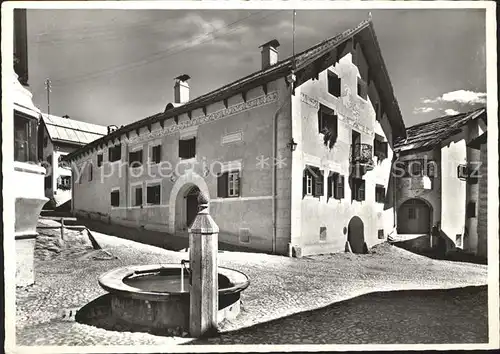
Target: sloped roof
[72,131]
[280,69]
[432,133]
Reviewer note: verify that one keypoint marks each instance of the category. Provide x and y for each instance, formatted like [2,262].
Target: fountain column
[203,248]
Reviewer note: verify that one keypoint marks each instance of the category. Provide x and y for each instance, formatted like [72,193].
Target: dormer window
[333,84]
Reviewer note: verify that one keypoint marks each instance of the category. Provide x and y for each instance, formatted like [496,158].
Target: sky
[118,66]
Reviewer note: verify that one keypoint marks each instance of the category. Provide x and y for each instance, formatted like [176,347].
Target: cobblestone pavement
[279,286]
[426,317]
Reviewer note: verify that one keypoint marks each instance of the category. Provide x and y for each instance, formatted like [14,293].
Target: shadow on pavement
[409,316]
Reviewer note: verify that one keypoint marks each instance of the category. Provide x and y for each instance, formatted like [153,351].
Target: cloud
[423,110]
[459,96]
[451,112]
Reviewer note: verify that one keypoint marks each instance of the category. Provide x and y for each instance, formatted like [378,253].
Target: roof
[429,134]
[282,68]
[477,142]
[72,131]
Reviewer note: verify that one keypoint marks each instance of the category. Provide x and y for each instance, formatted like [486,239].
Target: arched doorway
[414,217]
[186,207]
[356,235]
[191,205]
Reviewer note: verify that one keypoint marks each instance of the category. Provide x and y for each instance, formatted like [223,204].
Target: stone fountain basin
[149,297]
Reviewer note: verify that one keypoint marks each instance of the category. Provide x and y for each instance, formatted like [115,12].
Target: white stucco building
[438,176]
[295,158]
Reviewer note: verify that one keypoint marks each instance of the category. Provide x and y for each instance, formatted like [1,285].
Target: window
[25,139]
[336,186]
[415,168]
[327,121]
[137,196]
[115,198]
[91,172]
[376,107]
[333,84]
[458,240]
[412,213]
[99,160]
[313,181]
[153,194]
[358,189]
[156,154]
[233,184]
[135,158]
[471,210]
[380,147]
[187,148]
[322,233]
[379,194]
[45,141]
[64,182]
[431,169]
[115,153]
[462,171]
[381,234]
[362,89]
[228,184]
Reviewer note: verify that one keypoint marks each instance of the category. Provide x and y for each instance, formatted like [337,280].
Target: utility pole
[48,88]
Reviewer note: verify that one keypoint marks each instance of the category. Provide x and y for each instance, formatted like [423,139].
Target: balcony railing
[361,158]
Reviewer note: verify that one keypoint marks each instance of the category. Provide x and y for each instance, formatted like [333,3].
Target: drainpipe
[394,197]
[274,154]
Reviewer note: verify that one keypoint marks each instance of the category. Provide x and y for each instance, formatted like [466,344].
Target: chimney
[181,89]
[269,53]
[112,128]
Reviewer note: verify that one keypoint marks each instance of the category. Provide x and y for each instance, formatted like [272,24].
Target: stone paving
[280,286]
[421,317]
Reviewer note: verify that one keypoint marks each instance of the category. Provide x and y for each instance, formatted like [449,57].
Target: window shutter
[318,184]
[238,190]
[361,190]
[341,186]
[138,196]
[330,186]
[182,149]
[222,185]
[304,183]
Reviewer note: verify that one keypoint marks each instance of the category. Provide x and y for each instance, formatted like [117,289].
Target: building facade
[437,184]
[58,136]
[294,158]
[28,175]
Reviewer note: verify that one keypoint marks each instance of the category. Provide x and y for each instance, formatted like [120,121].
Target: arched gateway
[414,217]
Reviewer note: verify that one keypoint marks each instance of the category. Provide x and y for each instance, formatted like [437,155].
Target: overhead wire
[158,55]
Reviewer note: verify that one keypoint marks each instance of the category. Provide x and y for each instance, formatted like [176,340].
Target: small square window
[322,233]
[156,154]
[187,148]
[135,158]
[115,153]
[154,194]
[99,160]
[333,84]
[362,89]
[379,193]
[381,234]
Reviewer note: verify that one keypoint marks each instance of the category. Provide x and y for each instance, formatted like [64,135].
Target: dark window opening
[25,139]
[115,153]
[99,160]
[358,189]
[379,193]
[380,147]
[333,84]
[156,154]
[381,234]
[138,196]
[135,158]
[328,125]
[91,172]
[64,183]
[187,148]
[153,194]
[322,233]
[115,198]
